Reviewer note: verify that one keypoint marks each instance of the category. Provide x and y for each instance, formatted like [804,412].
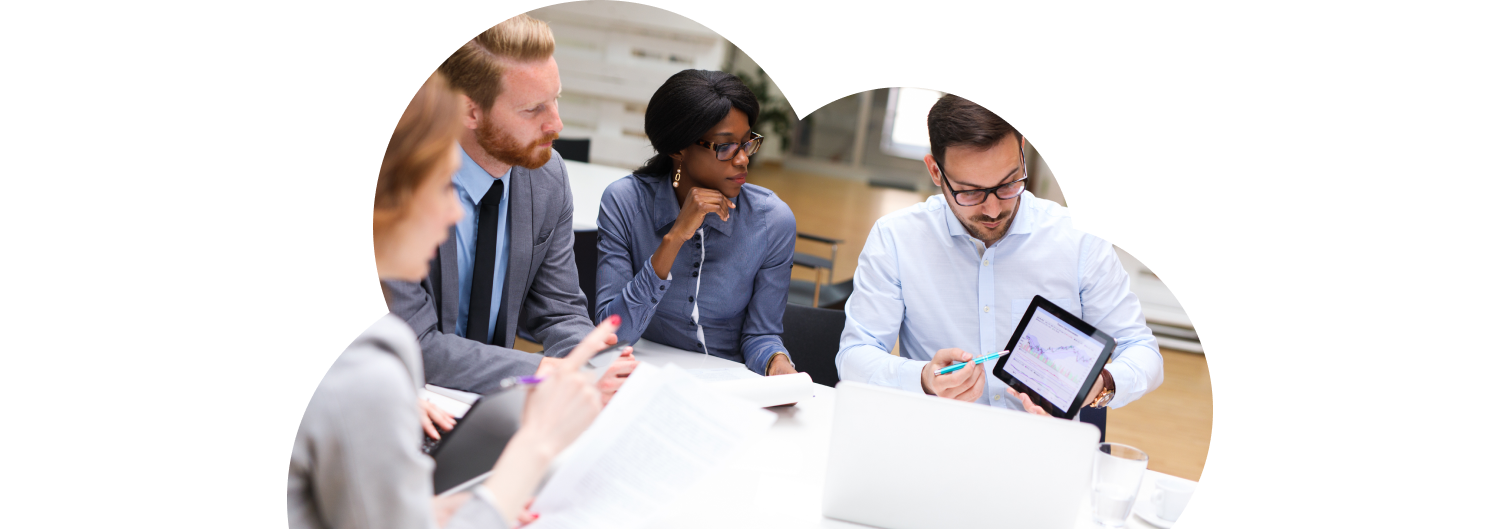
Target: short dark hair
[958,122]
[689,104]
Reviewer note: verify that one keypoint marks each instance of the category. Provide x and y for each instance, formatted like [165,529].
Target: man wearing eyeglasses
[952,276]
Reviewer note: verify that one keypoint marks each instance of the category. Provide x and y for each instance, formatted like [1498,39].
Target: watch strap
[1107,393]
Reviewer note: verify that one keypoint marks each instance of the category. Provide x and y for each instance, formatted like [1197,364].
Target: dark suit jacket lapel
[518,270]
[446,281]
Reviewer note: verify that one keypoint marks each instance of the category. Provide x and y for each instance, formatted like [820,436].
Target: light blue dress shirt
[727,289]
[472,182]
[922,277]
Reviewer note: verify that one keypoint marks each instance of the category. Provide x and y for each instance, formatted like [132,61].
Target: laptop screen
[1053,358]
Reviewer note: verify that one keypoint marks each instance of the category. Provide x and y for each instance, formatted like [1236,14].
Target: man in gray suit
[508,265]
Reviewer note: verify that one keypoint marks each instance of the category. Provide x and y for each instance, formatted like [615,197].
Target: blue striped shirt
[733,274]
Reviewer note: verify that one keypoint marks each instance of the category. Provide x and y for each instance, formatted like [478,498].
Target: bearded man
[952,276]
[508,264]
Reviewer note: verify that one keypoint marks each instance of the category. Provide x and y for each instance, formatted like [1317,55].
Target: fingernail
[614,320]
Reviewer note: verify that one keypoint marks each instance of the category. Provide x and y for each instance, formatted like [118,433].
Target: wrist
[772,362]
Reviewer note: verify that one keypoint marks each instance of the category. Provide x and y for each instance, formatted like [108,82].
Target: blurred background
[840,169]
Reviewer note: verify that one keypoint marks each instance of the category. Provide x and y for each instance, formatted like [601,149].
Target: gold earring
[677,177]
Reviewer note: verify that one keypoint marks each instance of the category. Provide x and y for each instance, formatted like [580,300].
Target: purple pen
[530,380]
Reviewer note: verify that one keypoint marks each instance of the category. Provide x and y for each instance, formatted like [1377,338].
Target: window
[904,133]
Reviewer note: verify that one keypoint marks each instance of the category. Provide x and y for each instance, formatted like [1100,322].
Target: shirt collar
[473,179]
[664,208]
[1021,225]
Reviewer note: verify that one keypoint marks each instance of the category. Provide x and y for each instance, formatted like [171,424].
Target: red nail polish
[614,320]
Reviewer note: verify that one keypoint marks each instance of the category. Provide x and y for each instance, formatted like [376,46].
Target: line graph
[1067,360]
[1053,358]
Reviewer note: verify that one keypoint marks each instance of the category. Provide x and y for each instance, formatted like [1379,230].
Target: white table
[588,182]
[777,482]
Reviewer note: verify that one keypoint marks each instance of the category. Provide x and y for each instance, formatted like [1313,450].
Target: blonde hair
[423,140]
[476,68]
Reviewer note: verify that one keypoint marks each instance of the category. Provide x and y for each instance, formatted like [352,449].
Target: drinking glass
[1118,469]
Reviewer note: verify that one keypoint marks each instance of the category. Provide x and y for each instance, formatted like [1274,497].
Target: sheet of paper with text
[662,433]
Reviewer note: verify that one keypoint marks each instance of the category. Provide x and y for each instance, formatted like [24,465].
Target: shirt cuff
[1130,383]
[767,370]
[909,374]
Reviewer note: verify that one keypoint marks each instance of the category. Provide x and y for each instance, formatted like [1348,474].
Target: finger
[623,368]
[430,430]
[591,344]
[1031,407]
[724,210]
[611,339]
[609,385]
[969,394]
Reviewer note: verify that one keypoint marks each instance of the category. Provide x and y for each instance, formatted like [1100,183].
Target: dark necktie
[483,285]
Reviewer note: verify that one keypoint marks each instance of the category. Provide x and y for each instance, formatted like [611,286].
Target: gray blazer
[357,462]
[541,292]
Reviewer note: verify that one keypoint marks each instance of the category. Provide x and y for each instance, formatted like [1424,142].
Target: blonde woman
[357,459]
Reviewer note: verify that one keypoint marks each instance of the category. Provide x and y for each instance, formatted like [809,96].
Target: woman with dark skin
[689,254]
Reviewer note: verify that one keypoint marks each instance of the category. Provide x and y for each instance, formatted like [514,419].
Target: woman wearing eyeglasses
[689,254]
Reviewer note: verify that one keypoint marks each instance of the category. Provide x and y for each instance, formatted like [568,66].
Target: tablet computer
[1054,358]
[474,444]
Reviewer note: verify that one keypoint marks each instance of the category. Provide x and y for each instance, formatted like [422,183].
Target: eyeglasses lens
[973,198]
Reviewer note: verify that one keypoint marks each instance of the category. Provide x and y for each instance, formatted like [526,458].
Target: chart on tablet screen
[1066,361]
[1053,358]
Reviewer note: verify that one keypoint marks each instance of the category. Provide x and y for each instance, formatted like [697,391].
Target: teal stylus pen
[981,360]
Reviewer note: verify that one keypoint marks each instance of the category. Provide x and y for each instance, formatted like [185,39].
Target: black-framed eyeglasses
[1004,192]
[726,151]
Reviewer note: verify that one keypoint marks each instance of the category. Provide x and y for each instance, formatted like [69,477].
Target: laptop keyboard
[428,444]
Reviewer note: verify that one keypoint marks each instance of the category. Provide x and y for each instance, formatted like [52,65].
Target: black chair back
[811,336]
[575,149]
[1095,416]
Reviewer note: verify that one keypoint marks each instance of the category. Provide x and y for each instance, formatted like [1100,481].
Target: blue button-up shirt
[727,289]
[472,182]
[922,277]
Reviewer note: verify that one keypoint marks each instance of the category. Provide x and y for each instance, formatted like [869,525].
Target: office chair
[811,294]
[1095,416]
[811,336]
[575,149]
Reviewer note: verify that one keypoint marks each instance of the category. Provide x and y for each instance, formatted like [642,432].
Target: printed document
[662,433]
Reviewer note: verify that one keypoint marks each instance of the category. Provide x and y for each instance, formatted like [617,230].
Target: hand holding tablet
[1056,359]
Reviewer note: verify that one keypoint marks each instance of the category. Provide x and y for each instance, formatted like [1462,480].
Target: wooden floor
[1171,424]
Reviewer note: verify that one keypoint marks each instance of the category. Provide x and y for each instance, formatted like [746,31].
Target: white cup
[1170,497]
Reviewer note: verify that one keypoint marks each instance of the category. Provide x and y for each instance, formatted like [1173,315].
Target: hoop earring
[677,177]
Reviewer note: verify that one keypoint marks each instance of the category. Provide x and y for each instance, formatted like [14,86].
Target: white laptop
[903,460]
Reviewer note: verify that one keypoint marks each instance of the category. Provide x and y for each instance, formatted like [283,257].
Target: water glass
[1118,469]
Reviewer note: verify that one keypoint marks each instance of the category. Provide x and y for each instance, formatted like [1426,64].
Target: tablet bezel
[1071,320]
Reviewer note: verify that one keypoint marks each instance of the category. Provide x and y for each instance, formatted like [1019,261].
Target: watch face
[1105,397]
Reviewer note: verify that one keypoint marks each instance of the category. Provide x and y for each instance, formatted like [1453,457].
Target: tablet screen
[1053,358]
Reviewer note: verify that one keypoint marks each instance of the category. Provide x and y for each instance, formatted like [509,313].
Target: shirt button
[995,398]
[695,274]
[699,345]
[695,264]
[663,287]
[986,263]
[653,299]
[986,309]
[690,299]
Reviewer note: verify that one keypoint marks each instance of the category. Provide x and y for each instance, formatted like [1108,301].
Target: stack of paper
[770,391]
[661,434]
